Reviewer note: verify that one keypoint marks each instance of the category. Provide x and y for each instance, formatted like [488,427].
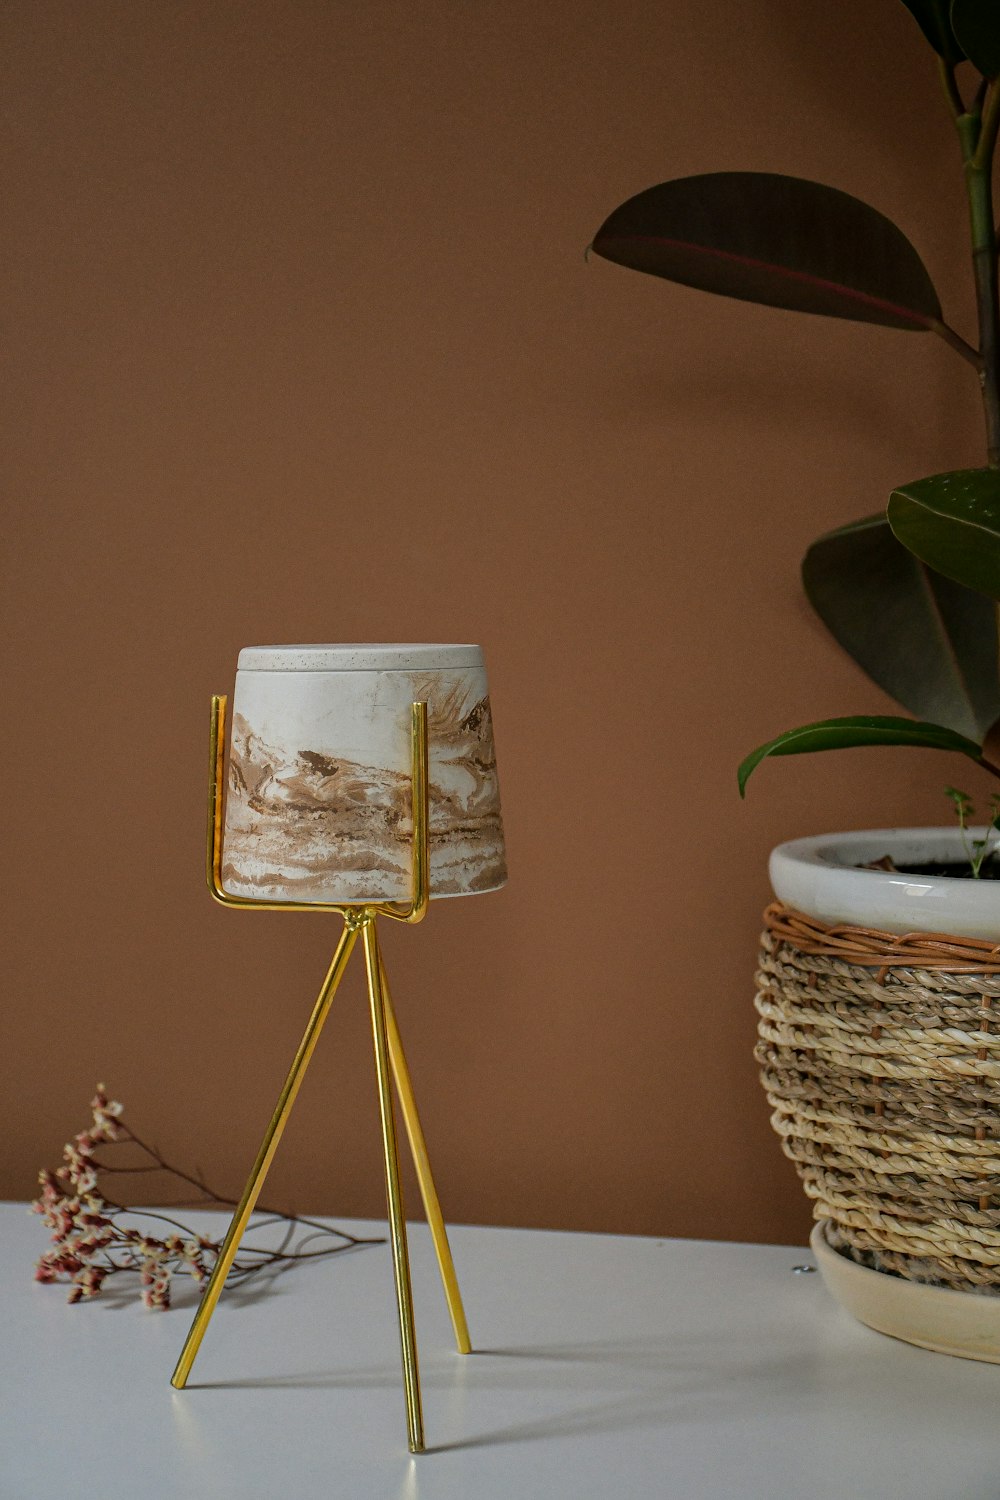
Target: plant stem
[984,261]
[978,136]
[951,93]
[209,1193]
[955,341]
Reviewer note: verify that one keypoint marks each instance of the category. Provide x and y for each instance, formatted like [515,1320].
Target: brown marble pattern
[309,825]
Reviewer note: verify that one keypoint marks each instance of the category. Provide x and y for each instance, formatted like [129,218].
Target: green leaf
[779,241]
[952,523]
[929,643]
[933,19]
[976,28]
[845,734]
[962,801]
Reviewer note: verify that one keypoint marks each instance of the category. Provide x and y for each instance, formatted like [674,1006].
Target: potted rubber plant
[879,980]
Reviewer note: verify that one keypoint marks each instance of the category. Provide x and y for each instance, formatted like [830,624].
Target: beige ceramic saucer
[935,1317]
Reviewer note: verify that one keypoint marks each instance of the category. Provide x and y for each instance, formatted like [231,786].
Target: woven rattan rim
[874,949]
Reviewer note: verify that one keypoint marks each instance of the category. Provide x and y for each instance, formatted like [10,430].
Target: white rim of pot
[819,877]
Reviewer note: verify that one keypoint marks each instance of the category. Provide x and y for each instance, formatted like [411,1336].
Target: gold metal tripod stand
[359,920]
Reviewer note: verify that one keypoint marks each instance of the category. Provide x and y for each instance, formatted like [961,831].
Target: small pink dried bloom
[106,1112]
[156,1295]
[66,1262]
[192,1261]
[88,1283]
[50,1194]
[63,1220]
[90,1244]
[94,1211]
[152,1262]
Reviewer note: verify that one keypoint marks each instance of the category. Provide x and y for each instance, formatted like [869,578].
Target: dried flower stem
[89,1245]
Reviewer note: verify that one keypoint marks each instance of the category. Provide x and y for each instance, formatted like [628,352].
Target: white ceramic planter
[319,798]
[817,876]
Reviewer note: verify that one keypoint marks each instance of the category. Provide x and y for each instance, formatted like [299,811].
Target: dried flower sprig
[89,1244]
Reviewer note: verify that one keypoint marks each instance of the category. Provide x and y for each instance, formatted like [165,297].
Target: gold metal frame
[390,1064]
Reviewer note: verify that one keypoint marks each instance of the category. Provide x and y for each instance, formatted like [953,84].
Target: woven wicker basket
[880,1057]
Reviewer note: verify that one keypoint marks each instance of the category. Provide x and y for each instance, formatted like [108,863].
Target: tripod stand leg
[264,1157]
[421,1161]
[397,1221]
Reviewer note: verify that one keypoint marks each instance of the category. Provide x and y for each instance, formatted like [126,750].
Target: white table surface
[606,1366]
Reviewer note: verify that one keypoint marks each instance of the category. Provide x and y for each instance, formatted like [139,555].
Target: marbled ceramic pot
[318,802]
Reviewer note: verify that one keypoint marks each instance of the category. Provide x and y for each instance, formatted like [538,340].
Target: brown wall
[306,349]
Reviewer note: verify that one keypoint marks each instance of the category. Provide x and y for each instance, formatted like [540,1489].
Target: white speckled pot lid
[359,657]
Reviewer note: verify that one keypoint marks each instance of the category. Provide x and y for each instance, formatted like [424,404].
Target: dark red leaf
[781,241]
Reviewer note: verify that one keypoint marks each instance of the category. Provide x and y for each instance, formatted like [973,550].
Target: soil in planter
[990,870]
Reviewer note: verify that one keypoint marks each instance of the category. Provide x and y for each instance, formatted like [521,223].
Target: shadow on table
[655,1383]
[634,1383]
